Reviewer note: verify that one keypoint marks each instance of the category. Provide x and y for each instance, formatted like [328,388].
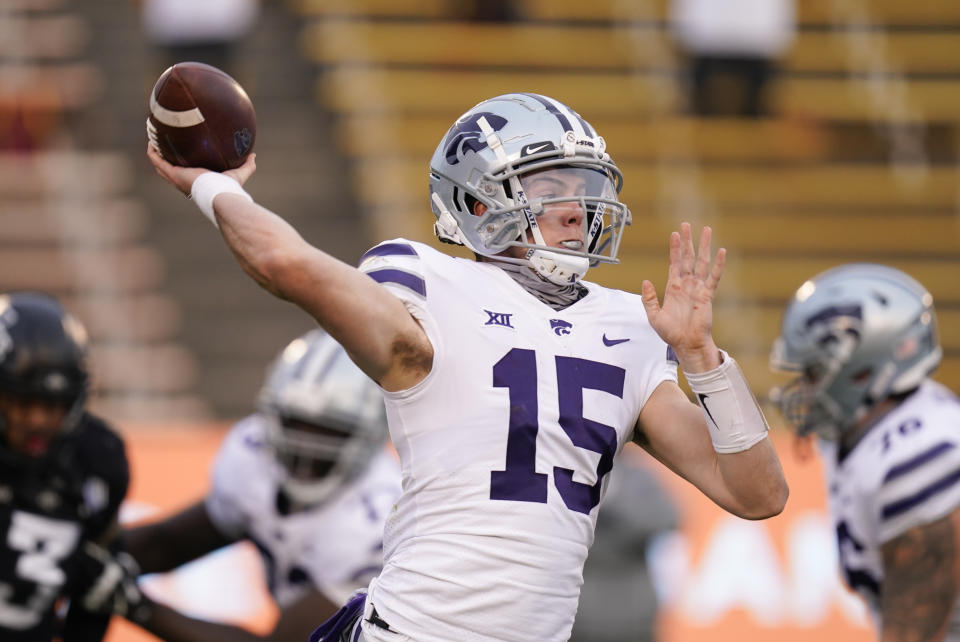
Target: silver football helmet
[484,158]
[325,417]
[858,333]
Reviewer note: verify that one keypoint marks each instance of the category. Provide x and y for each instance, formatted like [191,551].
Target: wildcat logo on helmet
[466,134]
[837,320]
[852,311]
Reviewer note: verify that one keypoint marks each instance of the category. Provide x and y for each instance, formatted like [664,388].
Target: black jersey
[48,508]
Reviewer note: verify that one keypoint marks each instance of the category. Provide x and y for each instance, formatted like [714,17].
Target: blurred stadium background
[855,161]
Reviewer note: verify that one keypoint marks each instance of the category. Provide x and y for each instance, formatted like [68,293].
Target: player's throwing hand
[183,177]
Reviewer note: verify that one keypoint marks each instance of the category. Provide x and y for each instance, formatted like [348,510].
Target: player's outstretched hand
[111,584]
[685,320]
[182,177]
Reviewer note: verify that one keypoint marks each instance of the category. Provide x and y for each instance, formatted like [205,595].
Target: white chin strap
[561,269]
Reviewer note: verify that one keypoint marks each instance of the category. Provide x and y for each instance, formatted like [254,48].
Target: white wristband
[733,416]
[208,186]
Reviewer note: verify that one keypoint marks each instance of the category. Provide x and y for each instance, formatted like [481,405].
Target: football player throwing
[510,382]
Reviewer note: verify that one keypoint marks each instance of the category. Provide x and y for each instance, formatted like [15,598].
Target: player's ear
[476,207]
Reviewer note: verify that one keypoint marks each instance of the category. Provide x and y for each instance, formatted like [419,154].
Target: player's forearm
[921,584]
[746,460]
[145,548]
[749,483]
[374,325]
[162,546]
[274,254]
[912,633]
[84,626]
[754,480]
[915,621]
[173,626]
[263,243]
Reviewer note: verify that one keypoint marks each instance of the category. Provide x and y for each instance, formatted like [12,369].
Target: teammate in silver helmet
[862,339]
[307,479]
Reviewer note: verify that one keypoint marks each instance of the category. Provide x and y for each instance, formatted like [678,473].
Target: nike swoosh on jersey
[612,342]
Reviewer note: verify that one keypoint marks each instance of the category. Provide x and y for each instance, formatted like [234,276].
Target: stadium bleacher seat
[69,225]
[807,188]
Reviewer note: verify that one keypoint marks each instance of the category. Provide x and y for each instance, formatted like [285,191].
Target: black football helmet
[42,354]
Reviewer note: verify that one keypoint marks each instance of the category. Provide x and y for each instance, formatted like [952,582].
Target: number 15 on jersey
[517,372]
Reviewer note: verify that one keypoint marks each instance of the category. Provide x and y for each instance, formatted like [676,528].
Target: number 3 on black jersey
[40,544]
[517,372]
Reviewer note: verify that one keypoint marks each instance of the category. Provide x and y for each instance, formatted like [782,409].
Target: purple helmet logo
[465,134]
[834,321]
[853,314]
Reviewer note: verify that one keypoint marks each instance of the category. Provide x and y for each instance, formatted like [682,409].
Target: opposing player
[510,382]
[63,472]
[863,338]
[307,479]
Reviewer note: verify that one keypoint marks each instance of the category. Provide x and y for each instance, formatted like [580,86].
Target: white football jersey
[334,548]
[903,473]
[503,447]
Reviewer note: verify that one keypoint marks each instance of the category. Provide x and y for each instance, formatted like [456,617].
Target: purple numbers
[573,375]
[517,371]
[849,546]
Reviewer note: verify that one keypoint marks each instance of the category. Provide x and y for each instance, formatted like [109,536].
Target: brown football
[201,117]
